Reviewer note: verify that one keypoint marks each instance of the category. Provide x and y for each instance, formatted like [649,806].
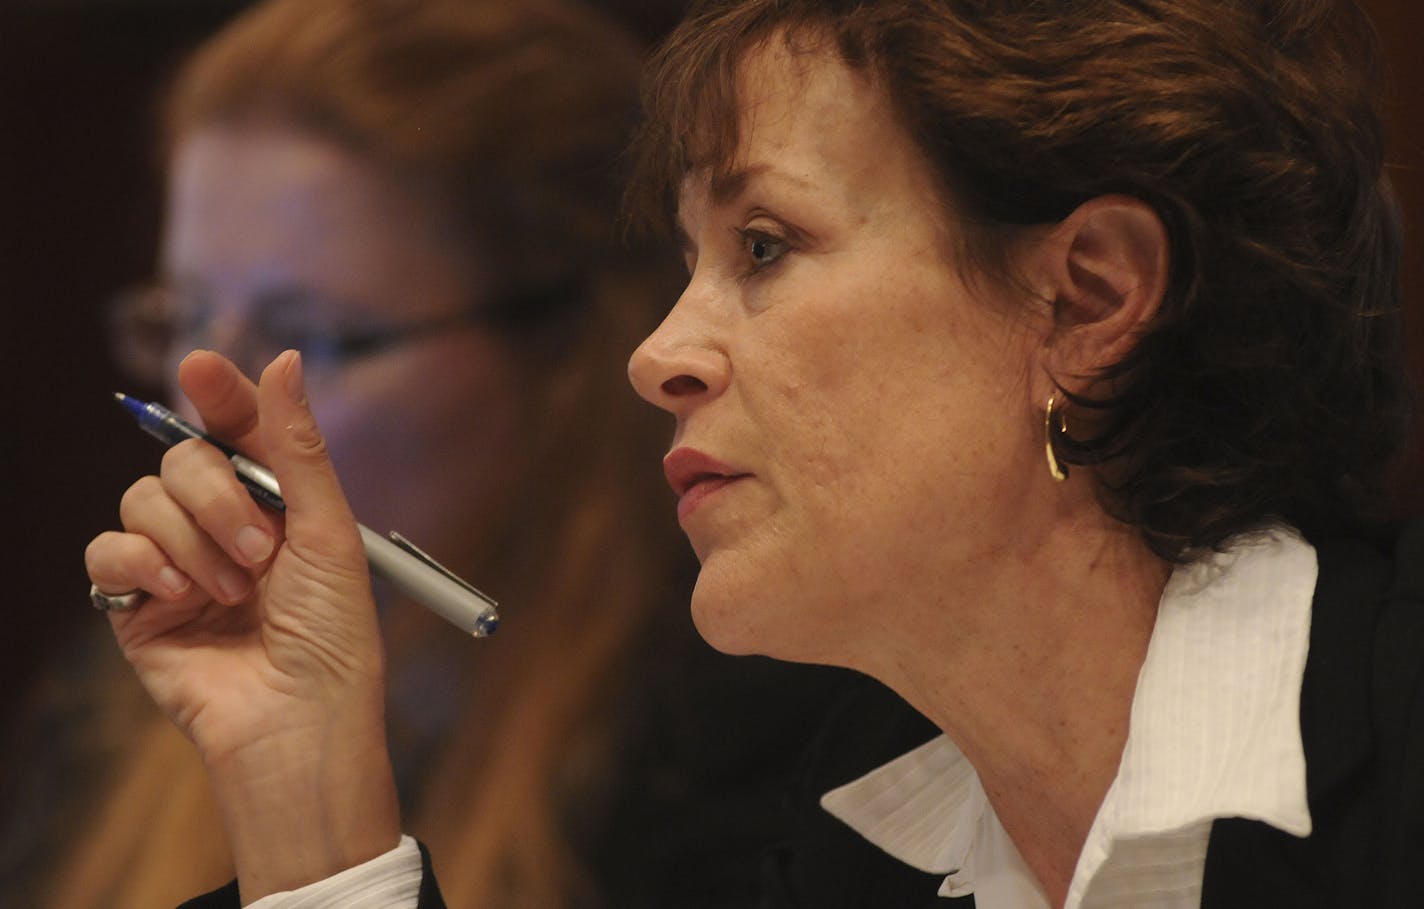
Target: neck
[1031,672]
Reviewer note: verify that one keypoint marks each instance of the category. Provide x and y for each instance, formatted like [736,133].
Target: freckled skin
[868,387]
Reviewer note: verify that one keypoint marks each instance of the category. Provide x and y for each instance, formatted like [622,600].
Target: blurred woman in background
[421,195]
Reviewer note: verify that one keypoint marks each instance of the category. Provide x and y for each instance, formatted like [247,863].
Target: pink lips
[694,476]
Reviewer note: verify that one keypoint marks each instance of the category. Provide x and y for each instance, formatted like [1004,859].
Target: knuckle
[98,551]
[113,554]
[184,456]
[136,498]
[220,503]
[200,479]
[307,439]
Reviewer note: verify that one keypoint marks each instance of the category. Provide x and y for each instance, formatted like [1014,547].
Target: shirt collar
[1215,730]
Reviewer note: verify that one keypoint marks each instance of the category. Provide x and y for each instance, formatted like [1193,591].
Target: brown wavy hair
[510,118]
[1271,383]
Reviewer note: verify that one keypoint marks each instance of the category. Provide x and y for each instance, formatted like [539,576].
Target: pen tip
[132,405]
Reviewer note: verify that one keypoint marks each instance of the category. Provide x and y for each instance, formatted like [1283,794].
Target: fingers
[318,519]
[120,562]
[272,423]
[199,519]
[225,399]
[200,479]
[198,523]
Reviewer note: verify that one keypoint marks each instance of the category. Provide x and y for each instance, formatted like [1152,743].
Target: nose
[678,369]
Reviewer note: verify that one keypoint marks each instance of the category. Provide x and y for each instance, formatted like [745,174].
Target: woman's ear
[1104,270]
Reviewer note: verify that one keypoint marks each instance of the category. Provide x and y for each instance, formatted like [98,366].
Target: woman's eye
[190,317]
[762,249]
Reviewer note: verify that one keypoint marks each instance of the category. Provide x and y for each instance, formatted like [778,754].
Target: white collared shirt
[1215,732]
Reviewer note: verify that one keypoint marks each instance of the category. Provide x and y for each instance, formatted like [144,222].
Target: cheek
[839,427]
[808,398]
[897,431]
[411,437]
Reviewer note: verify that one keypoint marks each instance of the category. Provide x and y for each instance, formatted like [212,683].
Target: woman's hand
[260,638]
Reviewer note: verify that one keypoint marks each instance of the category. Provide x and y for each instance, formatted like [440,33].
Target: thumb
[319,523]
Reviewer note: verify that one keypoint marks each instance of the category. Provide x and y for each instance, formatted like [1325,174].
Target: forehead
[806,120]
[256,207]
[276,176]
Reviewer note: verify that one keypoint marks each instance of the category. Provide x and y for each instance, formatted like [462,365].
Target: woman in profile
[1040,360]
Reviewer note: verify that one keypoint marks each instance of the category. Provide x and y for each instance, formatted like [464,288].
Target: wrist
[302,806]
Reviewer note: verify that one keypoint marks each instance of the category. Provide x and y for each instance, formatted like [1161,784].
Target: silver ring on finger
[115,602]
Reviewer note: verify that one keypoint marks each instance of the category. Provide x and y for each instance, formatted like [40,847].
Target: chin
[720,626]
[749,619]
[727,609]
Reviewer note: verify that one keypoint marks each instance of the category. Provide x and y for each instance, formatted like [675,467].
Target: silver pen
[392,557]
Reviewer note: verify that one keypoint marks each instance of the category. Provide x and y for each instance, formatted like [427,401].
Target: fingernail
[173,580]
[254,543]
[296,388]
[232,584]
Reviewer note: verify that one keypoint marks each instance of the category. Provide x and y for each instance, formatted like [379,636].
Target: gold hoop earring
[1057,471]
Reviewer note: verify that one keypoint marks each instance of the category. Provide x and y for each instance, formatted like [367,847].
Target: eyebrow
[725,188]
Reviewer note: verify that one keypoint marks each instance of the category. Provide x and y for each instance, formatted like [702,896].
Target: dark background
[80,203]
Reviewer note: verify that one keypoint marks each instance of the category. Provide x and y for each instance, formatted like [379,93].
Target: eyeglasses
[151,325]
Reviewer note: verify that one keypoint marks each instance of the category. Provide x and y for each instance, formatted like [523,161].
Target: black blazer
[1362,720]
[1362,723]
